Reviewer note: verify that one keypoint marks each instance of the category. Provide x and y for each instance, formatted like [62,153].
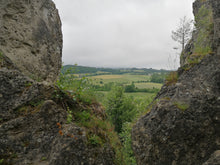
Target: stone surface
[214,159]
[183,125]
[31,37]
[33,111]
[34,129]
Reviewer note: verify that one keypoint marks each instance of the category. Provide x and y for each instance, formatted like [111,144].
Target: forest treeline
[92,71]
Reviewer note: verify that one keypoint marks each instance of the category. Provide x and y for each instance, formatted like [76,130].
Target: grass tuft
[171,78]
[182,106]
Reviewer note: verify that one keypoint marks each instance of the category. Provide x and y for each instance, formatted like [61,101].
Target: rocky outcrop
[182,127]
[31,37]
[39,123]
[214,159]
[34,127]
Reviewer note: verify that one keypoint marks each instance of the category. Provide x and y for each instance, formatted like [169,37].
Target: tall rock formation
[183,125]
[39,123]
[31,37]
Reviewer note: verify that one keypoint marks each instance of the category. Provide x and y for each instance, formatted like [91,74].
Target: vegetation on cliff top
[203,35]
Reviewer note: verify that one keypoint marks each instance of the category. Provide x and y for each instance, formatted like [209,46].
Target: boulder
[214,159]
[31,37]
[183,123]
[34,126]
[39,123]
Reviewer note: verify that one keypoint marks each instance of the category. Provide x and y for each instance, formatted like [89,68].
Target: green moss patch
[181,106]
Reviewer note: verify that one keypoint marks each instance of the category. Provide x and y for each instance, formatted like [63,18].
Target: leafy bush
[125,135]
[98,130]
[95,140]
[127,151]
[130,88]
[119,108]
[158,78]
[81,88]
[171,78]
[123,112]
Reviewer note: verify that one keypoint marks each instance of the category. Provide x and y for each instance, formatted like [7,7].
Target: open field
[139,95]
[103,79]
[148,85]
[101,95]
[124,78]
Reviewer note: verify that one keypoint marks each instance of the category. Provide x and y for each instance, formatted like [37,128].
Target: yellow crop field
[124,78]
[148,85]
[104,77]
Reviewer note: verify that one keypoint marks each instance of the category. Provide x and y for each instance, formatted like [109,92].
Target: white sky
[121,33]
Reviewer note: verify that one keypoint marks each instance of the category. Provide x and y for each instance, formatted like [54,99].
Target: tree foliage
[130,88]
[158,78]
[80,88]
[183,32]
[119,108]
[93,71]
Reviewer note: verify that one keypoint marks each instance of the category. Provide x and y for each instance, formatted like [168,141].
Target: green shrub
[119,108]
[158,77]
[83,117]
[171,78]
[127,151]
[1,161]
[81,88]
[69,116]
[95,140]
[203,40]
[99,132]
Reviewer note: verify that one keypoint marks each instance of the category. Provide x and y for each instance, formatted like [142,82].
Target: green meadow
[138,83]
[123,78]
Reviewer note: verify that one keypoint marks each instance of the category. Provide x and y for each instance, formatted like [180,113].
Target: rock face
[31,37]
[34,129]
[34,124]
[214,160]
[183,125]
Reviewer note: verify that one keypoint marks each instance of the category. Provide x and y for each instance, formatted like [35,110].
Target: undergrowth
[31,107]
[171,78]
[80,88]
[99,131]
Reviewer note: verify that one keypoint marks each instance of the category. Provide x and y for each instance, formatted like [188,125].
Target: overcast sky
[121,33]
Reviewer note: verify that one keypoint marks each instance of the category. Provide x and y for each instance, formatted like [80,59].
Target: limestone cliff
[183,125]
[39,123]
[31,37]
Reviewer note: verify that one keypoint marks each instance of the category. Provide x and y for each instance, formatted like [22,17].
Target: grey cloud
[120,33]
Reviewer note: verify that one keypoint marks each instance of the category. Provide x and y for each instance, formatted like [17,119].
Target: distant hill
[103,71]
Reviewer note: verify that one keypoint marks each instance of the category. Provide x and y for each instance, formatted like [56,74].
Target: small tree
[130,88]
[183,32]
[119,108]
